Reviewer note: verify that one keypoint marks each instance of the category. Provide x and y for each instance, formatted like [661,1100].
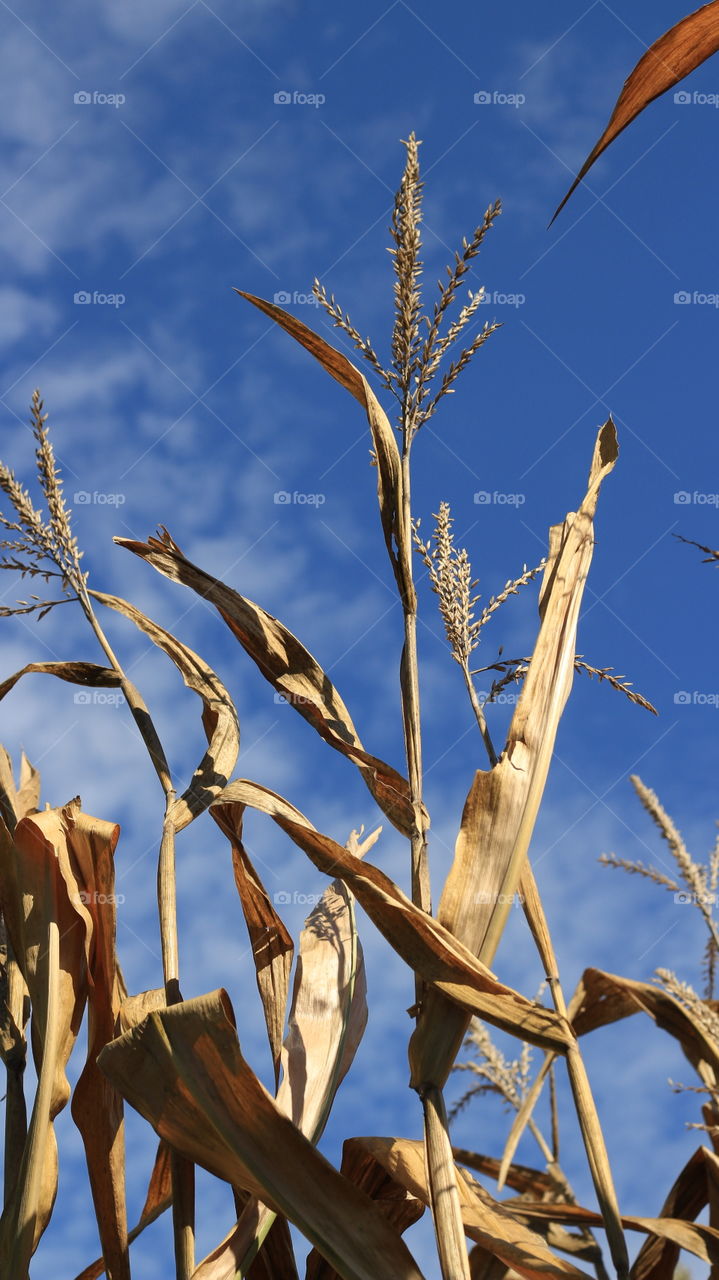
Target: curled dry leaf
[425,945]
[671,58]
[389,466]
[503,802]
[602,998]
[486,1221]
[397,1204]
[272,946]
[289,668]
[702,1241]
[51,930]
[183,1070]
[219,760]
[658,1257]
[325,1026]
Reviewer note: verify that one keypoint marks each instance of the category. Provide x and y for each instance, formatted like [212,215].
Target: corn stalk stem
[182,1171]
[444,1195]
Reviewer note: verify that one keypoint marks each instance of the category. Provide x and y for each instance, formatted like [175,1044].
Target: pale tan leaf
[272,946]
[183,1070]
[97,1107]
[219,760]
[50,930]
[397,1204]
[502,805]
[289,668]
[325,1026]
[672,57]
[426,946]
[134,1008]
[486,1221]
[389,466]
[602,998]
[702,1241]
[658,1257]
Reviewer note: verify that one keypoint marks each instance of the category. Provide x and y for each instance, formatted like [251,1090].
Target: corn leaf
[325,1026]
[289,668]
[389,466]
[602,998]
[272,946]
[158,1199]
[217,764]
[396,1203]
[672,57]
[503,803]
[425,945]
[183,1070]
[50,930]
[486,1221]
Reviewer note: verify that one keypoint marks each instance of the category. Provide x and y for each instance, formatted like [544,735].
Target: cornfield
[178,1061]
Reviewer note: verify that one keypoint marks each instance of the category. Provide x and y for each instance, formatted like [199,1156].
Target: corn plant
[179,1061]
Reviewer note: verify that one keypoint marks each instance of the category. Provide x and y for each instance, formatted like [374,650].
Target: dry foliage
[178,1061]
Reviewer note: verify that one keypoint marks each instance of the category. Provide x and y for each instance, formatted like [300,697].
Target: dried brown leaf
[217,764]
[426,946]
[289,668]
[503,803]
[272,946]
[389,467]
[183,1070]
[672,57]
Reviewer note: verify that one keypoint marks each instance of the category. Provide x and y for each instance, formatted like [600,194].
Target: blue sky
[182,406]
